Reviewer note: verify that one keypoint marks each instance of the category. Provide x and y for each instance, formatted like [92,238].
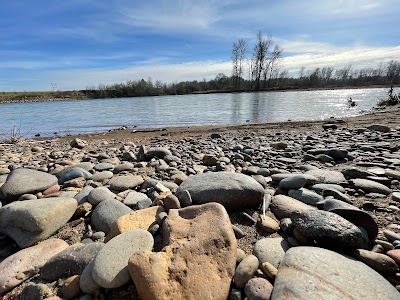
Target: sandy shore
[389,116]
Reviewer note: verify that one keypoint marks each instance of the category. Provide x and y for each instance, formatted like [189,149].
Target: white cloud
[328,55]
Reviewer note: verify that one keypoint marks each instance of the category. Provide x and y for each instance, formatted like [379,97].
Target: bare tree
[239,50]
[260,55]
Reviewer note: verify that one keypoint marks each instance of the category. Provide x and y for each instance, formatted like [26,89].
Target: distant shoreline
[28,97]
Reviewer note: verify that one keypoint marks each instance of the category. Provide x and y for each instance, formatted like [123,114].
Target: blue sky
[82,43]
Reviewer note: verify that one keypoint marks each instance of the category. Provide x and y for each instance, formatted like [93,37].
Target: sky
[80,44]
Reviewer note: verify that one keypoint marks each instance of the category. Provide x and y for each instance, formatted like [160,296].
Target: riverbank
[94,199]
[23,97]
[389,116]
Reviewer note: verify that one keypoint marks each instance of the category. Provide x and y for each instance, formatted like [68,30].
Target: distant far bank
[15,97]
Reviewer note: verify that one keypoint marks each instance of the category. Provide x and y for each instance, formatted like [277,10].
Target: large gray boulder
[28,222]
[314,273]
[233,190]
[25,181]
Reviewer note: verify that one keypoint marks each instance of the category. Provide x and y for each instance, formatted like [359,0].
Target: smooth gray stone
[379,128]
[104,167]
[235,191]
[133,198]
[270,250]
[100,194]
[122,183]
[326,176]
[82,196]
[392,174]
[100,176]
[306,196]
[321,187]
[371,186]
[312,273]
[329,230]
[125,166]
[356,173]
[293,182]
[106,212]
[245,270]
[25,181]
[391,235]
[159,152]
[335,153]
[110,267]
[28,222]
[72,173]
[283,206]
[71,261]
[86,281]
[258,288]
[353,214]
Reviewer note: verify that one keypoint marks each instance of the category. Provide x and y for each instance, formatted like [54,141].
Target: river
[90,116]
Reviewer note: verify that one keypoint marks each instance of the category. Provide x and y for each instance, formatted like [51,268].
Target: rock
[133,198]
[27,262]
[35,291]
[306,196]
[392,174]
[245,270]
[356,173]
[321,187]
[158,152]
[139,219]
[379,127]
[314,273]
[100,176]
[371,186]
[70,261]
[122,183]
[100,194]
[171,202]
[293,182]
[198,261]
[258,289]
[391,236]
[395,255]
[381,263]
[82,196]
[78,143]
[110,266]
[396,196]
[72,173]
[233,190]
[25,181]
[269,270]
[209,160]
[70,289]
[86,281]
[283,206]
[354,215]
[270,250]
[28,222]
[267,224]
[326,176]
[106,212]
[329,230]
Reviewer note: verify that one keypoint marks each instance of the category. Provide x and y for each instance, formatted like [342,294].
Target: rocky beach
[292,210]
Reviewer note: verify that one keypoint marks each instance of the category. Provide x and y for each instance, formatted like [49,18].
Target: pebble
[258,289]
[245,270]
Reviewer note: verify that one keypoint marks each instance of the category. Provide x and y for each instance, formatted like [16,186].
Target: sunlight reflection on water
[86,116]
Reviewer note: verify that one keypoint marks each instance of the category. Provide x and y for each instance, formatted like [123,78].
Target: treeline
[256,68]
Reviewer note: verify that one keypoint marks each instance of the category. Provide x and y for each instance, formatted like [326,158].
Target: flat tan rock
[138,219]
[27,262]
[198,261]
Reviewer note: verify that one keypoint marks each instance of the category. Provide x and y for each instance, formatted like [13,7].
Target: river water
[89,116]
